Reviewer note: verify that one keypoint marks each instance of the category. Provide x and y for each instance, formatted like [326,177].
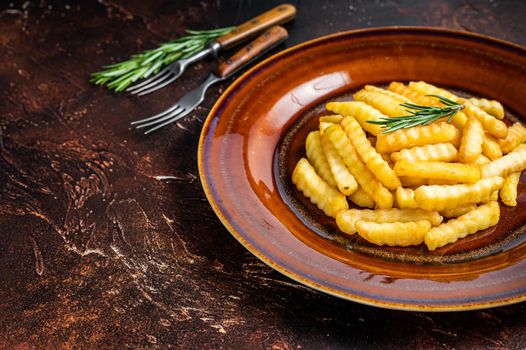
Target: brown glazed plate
[255,133]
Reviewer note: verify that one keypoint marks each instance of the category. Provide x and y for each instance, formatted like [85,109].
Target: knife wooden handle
[249,29]
[264,42]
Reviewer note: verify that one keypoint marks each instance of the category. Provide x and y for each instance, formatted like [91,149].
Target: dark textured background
[106,238]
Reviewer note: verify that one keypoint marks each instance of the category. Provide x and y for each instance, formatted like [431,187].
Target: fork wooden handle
[249,29]
[264,42]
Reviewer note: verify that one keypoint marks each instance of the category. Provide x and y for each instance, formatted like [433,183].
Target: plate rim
[478,305]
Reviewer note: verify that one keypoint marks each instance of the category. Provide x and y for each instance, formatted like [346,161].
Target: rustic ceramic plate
[255,133]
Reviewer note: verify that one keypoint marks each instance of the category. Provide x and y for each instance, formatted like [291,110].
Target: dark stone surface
[98,251]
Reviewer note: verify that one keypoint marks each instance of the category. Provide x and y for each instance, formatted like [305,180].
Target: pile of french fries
[409,180]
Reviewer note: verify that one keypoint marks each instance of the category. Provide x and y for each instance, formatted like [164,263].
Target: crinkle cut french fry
[516,136]
[347,219]
[458,211]
[492,125]
[438,170]
[471,142]
[361,199]
[510,163]
[441,152]
[508,192]
[376,164]
[460,119]
[417,136]
[384,103]
[323,126]
[335,119]
[436,197]
[317,158]
[344,179]
[489,106]
[405,198]
[378,193]
[484,216]
[412,95]
[317,190]
[362,112]
[491,147]
[412,181]
[481,160]
[398,97]
[402,234]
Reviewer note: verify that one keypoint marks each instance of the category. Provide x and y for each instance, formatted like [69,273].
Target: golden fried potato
[362,112]
[510,163]
[368,182]
[412,95]
[317,158]
[508,192]
[402,234]
[438,170]
[484,216]
[441,152]
[436,197]
[481,160]
[458,211]
[491,125]
[491,148]
[376,164]
[398,97]
[516,136]
[442,182]
[417,136]
[361,199]
[489,106]
[347,219]
[412,181]
[344,179]
[317,190]
[471,142]
[405,198]
[386,104]
[334,119]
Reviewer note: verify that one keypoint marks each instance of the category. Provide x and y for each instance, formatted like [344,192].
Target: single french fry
[492,125]
[347,219]
[436,197]
[417,136]
[394,95]
[412,181]
[491,147]
[438,170]
[441,152]
[317,190]
[368,182]
[402,234]
[481,218]
[344,179]
[489,106]
[458,211]
[317,158]
[510,163]
[386,104]
[516,136]
[405,198]
[361,199]
[471,142]
[334,119]
[508,192]
[412,95]
[362,112]
[481,160]
[376,164]
[459,119]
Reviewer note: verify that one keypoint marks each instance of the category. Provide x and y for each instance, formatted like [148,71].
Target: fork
[247,30]
[192,99]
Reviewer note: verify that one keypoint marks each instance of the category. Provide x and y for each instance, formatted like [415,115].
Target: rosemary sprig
[420,115]
[119,76]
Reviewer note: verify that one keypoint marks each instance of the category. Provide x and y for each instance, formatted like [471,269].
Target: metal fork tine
[169,121]
[161,119]
[169,110]
[149,80]
[154,83]
[157,87]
